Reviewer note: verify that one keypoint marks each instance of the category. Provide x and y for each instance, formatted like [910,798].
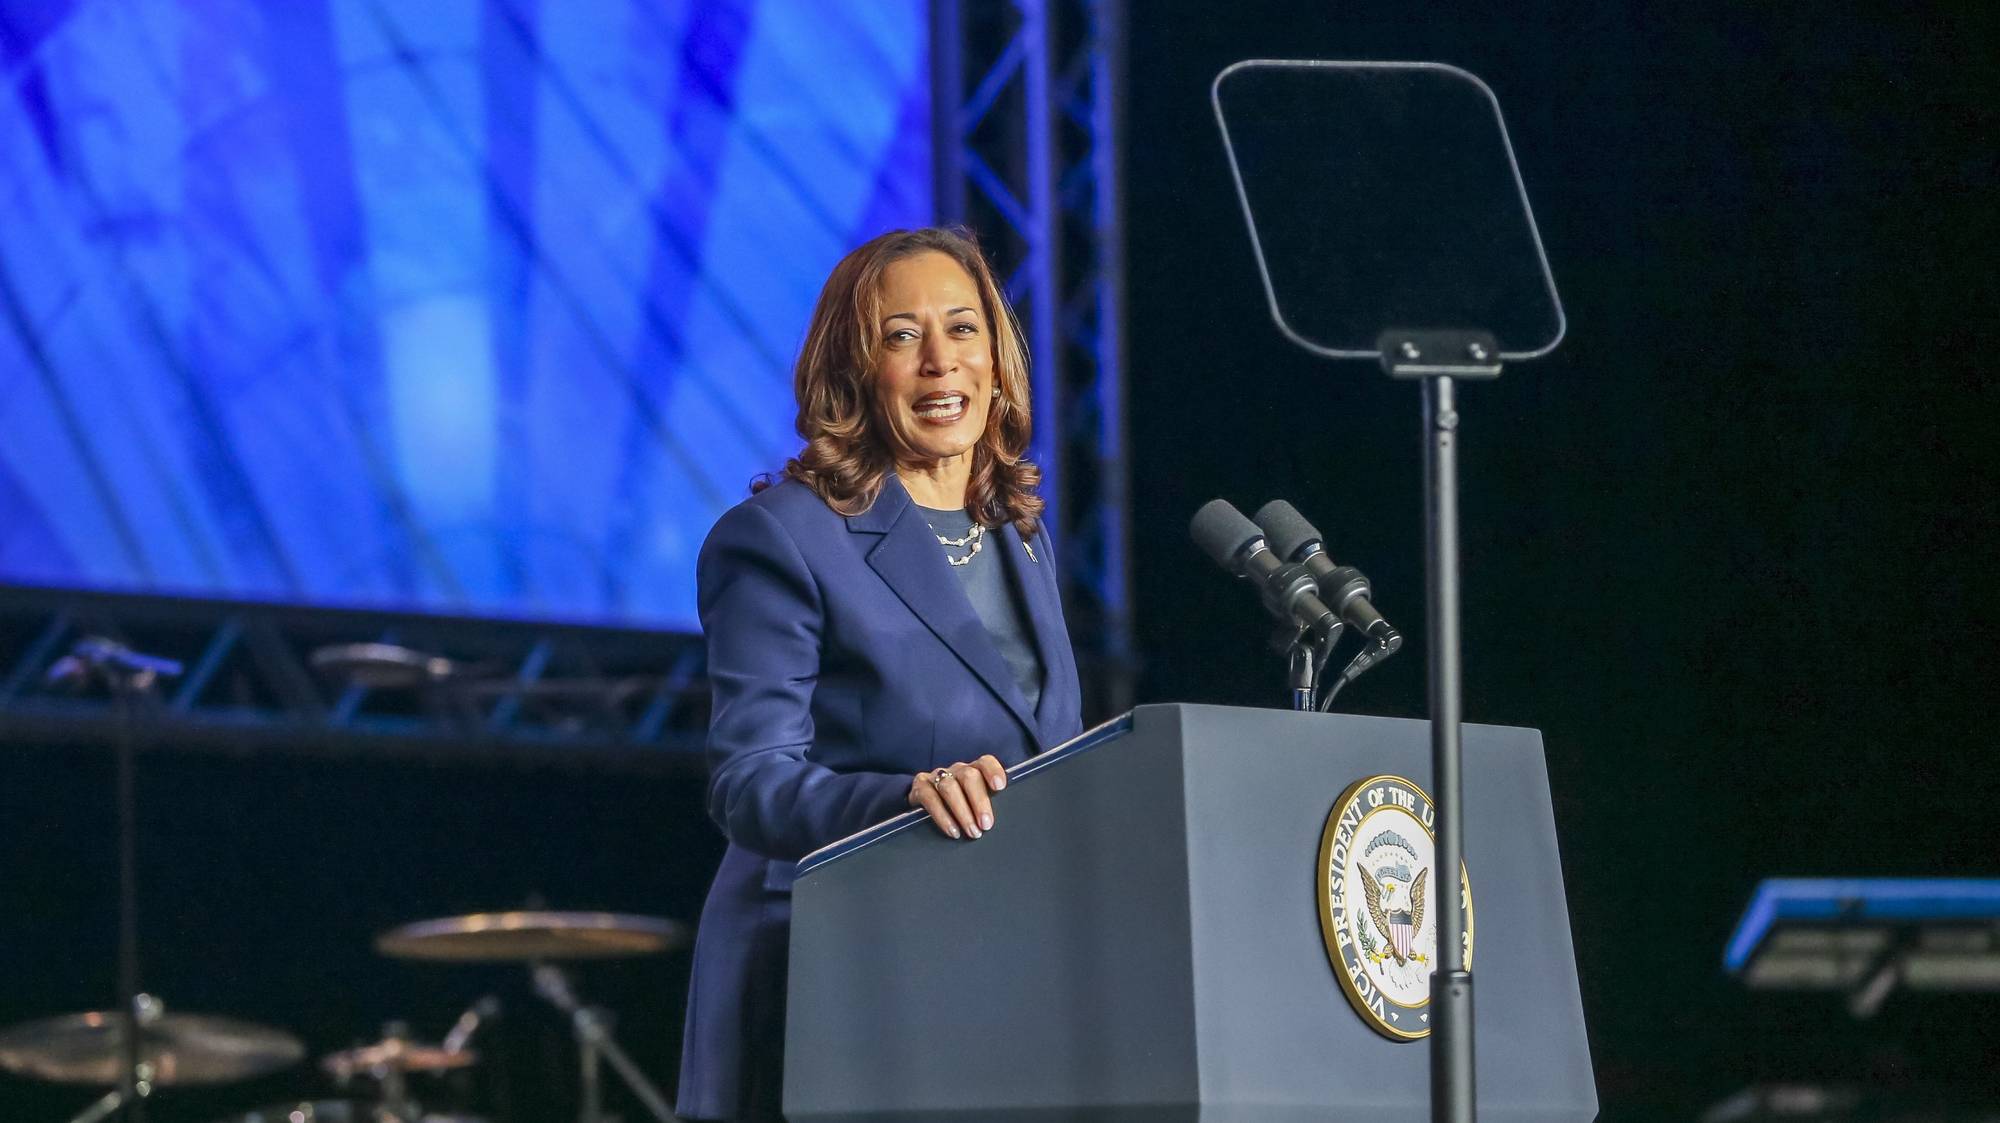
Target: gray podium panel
[1138,939]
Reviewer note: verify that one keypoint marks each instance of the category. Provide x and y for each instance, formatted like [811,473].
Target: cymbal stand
[136,1076]
[131,676]
[594,1042]
[105,1106]
[394,1082]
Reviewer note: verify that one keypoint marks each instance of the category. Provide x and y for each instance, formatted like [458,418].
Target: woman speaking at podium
[883,625]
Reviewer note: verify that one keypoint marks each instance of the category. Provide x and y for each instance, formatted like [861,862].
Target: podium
[1139,938]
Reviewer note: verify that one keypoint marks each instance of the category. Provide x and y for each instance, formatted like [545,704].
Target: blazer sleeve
[762,613]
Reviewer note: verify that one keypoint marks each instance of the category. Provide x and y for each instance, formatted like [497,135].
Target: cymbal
[181,1048]
[493,937]
[384,666]
[394,1054]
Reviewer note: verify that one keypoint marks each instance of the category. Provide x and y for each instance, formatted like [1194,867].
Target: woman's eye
[965,329]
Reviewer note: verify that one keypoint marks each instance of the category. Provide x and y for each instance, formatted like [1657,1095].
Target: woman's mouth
[941,408]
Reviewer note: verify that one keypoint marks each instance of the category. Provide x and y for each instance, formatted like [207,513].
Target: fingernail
[985,821]
[1000,781]
[974,832]
[952,831]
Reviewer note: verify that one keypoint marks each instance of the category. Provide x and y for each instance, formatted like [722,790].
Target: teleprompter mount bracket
[1434,353]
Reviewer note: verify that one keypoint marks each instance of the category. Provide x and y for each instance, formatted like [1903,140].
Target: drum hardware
[395,1053]
[536,938]
[592,1027]
[460,1034]
[389,1063]
[131,676]
[95,1047]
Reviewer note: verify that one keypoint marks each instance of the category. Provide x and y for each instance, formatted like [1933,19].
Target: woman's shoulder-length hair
[846,457]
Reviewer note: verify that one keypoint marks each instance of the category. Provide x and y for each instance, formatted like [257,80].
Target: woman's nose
[937,354]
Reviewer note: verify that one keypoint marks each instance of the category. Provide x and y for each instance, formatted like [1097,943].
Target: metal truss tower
[1025,124]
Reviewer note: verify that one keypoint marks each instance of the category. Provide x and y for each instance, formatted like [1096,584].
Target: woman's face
[934,381]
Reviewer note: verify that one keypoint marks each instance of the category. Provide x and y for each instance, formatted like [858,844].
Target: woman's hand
[960,797]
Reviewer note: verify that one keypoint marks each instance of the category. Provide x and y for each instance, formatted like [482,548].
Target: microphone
[1238,546]
[1345,587]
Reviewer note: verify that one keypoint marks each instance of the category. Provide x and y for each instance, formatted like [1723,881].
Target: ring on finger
[939,776]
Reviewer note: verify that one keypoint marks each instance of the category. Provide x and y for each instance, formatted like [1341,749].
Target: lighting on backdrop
[472,306]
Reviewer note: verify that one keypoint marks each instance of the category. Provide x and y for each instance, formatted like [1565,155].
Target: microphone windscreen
[1285,529]
[1221,531]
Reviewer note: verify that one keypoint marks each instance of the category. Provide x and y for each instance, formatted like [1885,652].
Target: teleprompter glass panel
[1384,195]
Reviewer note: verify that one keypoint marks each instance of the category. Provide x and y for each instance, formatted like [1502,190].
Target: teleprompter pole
[1451,984]
[1438,360]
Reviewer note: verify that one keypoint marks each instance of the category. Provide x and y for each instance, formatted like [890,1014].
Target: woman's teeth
[947,408]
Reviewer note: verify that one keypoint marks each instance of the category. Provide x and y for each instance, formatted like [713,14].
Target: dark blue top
[994,594]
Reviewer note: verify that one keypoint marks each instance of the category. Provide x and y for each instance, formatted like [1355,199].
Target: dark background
[1730,548]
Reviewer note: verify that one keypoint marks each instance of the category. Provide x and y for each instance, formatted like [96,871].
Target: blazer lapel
[910,561]
[1035,576]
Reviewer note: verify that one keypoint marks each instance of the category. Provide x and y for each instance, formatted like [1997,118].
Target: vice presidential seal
[1378,901]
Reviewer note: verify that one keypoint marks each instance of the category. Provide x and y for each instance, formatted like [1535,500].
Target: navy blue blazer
[844,657]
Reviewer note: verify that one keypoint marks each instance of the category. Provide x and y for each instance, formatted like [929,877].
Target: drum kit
[182,1050]
[100,1048]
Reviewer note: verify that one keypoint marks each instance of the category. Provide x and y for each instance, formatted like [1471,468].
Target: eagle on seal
[1396,916]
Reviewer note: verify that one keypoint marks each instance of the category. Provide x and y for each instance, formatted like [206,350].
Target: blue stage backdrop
[465,305]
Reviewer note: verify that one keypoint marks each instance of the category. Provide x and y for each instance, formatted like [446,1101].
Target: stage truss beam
[527,693]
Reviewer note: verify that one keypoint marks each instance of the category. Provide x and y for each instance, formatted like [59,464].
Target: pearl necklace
[974,538]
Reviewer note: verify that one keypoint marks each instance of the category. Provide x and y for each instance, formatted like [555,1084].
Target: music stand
[1389,222]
